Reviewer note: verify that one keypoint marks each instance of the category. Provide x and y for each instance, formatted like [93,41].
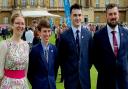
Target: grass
[0,38]
[60,85]
[93,77]
[52,39]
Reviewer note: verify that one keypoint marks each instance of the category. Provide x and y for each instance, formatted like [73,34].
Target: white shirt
[29,35]
[74,29]
[110,35]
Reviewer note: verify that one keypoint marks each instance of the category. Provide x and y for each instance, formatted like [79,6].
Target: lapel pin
[52,51]
[122,34]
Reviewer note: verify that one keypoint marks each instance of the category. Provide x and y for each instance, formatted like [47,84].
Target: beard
[112,25]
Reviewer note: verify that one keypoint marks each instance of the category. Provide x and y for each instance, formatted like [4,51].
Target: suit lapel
[122,34]
[50,55]
[71,37]
[42,56]
[83,39]
[106,41]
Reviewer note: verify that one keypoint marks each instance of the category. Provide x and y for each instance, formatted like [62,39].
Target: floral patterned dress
[13,56]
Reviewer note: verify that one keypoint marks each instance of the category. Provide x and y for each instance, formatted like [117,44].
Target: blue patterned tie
[46,54]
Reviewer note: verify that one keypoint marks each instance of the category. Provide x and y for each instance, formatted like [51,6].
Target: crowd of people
[28,54]
[4,32]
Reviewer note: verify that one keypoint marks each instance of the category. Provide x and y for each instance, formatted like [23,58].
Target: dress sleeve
[28,49]
[3,51]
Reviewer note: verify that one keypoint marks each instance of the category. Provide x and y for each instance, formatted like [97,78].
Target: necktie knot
[77,31]
[113,32]
[77,36]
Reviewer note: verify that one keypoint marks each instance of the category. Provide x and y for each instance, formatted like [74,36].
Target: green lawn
[93,77]
[0,38]
[60,85]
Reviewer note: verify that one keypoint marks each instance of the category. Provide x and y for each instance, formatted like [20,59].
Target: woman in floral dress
[14,54]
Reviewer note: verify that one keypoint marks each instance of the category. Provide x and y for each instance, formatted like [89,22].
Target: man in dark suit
[74,50]
[42,60]
[111,52]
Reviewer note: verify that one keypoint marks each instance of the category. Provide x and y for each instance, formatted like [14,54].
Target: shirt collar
[74,29]
[44,46]
[110,29]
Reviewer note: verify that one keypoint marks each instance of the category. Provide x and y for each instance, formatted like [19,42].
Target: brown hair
[14,16]
[34,21]
[36,33]
[43,24]
[111,5]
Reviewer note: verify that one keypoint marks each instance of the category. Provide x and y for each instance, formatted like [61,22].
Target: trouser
[79,86]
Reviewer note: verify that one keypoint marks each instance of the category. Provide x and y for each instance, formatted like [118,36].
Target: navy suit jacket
[41,72]
[76,70]
[112,71]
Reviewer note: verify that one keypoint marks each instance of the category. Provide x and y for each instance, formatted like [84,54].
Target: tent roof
[37,13]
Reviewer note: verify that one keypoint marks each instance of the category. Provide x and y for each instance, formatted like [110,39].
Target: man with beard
[111,52]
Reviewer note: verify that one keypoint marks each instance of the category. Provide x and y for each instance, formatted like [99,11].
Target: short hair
[43,24]
[14,16]
[75,6]
[36,33]
[111,5]
[34,21]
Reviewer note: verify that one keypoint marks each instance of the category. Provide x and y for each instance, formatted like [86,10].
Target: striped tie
[115,45]
[46,54]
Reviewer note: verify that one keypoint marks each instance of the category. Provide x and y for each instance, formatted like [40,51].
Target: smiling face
[112,16]
[18,26]
[76,17]
[45,34]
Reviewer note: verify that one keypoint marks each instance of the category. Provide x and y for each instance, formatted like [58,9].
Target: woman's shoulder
[25,43]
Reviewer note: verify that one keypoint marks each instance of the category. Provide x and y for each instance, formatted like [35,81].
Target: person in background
[14,54]
[42,60]
[36,38]
[23,36]
[111,52]
[29,35]
[64,26]
[4,33]
[34,25]
[74,51]
[59,31]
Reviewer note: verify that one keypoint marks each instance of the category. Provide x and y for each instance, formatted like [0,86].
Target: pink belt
[14,73]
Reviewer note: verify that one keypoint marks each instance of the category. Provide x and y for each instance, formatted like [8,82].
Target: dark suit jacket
[75,69]
[112,71]
[36,40]
[41,73]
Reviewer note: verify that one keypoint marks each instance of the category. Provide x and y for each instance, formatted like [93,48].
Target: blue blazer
[76,70]
[41,73]
[112,71]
